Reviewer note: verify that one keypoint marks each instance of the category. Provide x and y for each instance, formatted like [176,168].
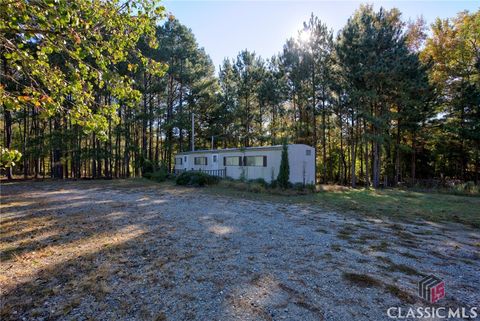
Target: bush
[448,186]
[192,178]
[147,175]
[183,178]
[155,173]
[259,181]
[273,184]
[470,187]
[298,186]
[159,176]
[148,167]
[256,188]
[467,188]
[283,177]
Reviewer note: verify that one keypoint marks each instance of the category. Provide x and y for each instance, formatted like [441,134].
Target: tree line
[383,101]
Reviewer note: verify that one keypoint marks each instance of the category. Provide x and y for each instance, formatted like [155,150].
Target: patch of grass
[161,317]
[409,243]
[409,255]
[405,235]
[384,259]
[399,293]
[469,262]
[424,232]
[393,203]
[327,256]
[336,247]
[10,252]
[346,233]
[402,268]
[260,187]
[393,267]
[381,247]
[363,261]
[362,280]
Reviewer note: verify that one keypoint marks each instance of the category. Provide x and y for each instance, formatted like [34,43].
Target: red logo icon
[431,288]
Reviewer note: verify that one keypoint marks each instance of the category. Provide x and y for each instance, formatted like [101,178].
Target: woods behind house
[106,89]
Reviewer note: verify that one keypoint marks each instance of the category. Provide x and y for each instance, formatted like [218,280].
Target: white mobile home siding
[301,160]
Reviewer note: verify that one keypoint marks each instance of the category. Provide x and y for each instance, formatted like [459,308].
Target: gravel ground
[128,250]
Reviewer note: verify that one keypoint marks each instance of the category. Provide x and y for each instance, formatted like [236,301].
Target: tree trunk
[94,156]
[180,111]
[397,156]
[353,153]
[324,145]
[367,161]
[24,144]
[8,136]
[414,156]
[144,120]
[57,153]
[376,162]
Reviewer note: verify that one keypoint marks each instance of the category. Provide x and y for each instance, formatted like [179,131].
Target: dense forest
[106,89]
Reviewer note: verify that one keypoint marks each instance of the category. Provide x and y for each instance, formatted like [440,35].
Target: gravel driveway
[129,250]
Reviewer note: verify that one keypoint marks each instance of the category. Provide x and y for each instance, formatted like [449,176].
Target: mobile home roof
[215,151]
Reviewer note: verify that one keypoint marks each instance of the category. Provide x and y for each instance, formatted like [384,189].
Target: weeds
[381,247]
[336,247]
[346,233]
[399,293]
[362,280]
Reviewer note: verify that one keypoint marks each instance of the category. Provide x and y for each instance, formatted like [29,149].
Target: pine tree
[283,178]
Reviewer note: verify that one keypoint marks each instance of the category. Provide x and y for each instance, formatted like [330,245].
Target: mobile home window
[232,161]
[308,152]
[178,160]
[256,161]
[185,159]
[200,161]
[214,158]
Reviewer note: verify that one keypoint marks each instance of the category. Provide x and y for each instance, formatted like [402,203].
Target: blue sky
[224,28]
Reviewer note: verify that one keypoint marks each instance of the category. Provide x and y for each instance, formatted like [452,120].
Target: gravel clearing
[130,250]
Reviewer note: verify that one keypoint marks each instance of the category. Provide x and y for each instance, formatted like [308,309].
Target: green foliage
[452,51]
[298,186]
[259,181]
[64,52]
[154,172]
[283,178]
[148,167]
[147,175]
[194,178]
[9,157]
[160,175]
[447,187]
[243,175]
[273,184]
[471,188]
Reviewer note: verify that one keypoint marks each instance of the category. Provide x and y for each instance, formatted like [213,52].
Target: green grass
[399,293]
[362,280]
[398,204]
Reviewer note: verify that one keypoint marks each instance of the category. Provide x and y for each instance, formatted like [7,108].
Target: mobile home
[252,162]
